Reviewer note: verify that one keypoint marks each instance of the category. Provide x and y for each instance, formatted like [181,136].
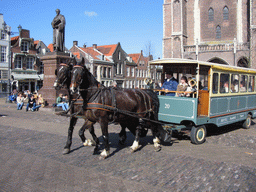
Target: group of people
[235,87]
[34,101]
[183,89]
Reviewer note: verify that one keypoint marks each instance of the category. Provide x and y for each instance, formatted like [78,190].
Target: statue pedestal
[51,62]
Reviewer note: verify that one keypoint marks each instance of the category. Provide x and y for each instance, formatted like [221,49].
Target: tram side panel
[232,109]
[177,109]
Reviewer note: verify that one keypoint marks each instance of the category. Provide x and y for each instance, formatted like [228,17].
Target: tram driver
[170,84]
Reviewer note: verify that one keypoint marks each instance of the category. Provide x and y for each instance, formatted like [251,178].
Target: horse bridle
[63,82]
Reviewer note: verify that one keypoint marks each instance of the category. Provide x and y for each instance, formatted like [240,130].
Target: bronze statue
[58,25]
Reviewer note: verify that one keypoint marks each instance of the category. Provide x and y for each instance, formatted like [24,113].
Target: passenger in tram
[242,86]
[182,86]
[234,86]
[191,87]
[225,87]
[170,84]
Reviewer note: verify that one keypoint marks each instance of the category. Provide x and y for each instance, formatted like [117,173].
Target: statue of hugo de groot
[58,25]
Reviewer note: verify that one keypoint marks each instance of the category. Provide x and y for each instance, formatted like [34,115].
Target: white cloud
[90,13]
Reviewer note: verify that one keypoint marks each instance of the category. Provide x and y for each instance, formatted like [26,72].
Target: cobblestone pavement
[31,159]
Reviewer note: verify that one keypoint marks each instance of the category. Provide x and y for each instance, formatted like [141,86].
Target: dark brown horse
[135,109]
[63,79]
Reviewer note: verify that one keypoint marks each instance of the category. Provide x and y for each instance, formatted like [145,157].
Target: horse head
[62,76]
[77,74]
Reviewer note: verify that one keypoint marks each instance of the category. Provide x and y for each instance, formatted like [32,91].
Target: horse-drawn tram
[223,95]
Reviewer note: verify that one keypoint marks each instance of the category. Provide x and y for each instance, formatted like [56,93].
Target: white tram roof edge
[168,61]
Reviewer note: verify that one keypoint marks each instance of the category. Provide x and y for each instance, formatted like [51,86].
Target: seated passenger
[192,88]
[234,86]
[242,86]
[225,87]
[182,86]
[170,84]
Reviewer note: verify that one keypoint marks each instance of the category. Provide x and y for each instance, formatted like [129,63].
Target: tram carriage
[211,104]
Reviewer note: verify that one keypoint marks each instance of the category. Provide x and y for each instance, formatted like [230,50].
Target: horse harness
[111,108]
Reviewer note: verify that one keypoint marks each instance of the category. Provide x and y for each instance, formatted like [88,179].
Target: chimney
[141,52]
[84,46]
[75,43]
[94,46]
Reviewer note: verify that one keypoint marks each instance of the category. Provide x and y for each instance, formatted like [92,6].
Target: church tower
[175,25]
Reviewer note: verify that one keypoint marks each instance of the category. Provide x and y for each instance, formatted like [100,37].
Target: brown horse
[63,79]
[135,109]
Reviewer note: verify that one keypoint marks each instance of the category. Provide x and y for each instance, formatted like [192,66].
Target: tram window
[203,83]
[215,82]
[224,83]
[251,83]
[234,83]
[243,83]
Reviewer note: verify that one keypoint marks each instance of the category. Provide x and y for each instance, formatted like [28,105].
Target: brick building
[221,31]
[26,67]
[107,63]
[143,71]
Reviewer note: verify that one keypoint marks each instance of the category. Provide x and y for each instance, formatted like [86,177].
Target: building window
[225,13]
[3,35]
[5,74]
[30,62]
[24,46]
[218,32]
[18,62]
[128,71]
[3,53]
[4,87]
[211,14]
[41,68]
[119,56]
[132,72]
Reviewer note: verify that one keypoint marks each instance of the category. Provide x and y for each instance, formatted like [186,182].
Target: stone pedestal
[51,62]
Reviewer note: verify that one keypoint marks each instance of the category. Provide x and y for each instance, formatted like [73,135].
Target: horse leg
[156,140]
[72,124]
[122,135]
[135,146]
[87,142]
[104,128]
[95,138]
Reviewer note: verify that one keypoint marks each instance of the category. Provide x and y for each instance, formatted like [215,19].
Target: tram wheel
[198,134]
[248,121]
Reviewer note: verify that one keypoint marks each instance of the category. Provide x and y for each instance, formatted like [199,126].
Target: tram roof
[217,66]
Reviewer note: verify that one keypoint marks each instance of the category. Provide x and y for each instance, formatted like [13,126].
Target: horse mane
[91,79]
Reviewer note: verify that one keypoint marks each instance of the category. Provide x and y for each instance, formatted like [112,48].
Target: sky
[136,24]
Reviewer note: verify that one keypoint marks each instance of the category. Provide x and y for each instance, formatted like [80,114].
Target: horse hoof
[135,149]
[104,154]
[66,151]
[89,142]
[157,149]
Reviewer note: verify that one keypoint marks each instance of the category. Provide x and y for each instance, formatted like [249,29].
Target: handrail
[168,91]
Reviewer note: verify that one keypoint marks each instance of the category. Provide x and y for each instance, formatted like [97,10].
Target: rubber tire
[198,134]
[248,122]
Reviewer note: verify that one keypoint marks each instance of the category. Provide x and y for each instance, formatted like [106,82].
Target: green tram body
[223,110]
[220,109]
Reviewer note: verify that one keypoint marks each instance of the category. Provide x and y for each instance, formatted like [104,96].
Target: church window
[225,13]
[211,14]
[218,32]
